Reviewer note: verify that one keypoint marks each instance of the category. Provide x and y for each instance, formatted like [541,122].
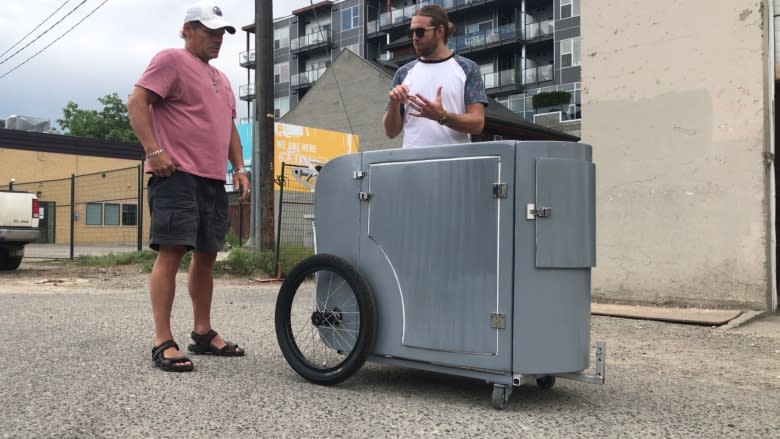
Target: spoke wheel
[325,319]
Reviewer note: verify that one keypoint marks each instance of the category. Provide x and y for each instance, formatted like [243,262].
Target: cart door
[436,222]
[566,215]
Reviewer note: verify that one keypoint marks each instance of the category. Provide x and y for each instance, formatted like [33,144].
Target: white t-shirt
[461,85]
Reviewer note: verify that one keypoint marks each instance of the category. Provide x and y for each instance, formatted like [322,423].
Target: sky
[104,54]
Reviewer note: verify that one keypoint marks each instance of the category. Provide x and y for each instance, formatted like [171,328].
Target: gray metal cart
[471,260]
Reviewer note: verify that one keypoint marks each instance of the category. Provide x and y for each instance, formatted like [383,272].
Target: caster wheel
[499,398]
[545,382]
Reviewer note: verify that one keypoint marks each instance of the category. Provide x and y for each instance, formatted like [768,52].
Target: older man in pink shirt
[182,110]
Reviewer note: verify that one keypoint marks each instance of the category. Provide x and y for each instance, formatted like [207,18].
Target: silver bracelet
[154,153]
[239,171]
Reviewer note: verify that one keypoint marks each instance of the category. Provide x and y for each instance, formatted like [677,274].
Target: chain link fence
[106,212]
[295,220]
[88,214]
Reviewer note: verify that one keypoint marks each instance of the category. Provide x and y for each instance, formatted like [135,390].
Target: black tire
[7,262]
[545,382]
[325,319]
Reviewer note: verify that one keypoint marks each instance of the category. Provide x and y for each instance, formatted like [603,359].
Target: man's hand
[241,182]
[162,164]
[429,109]
[399,94]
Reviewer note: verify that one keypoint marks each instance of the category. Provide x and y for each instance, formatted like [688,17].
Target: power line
[35,28]
[57,39]
[45,32]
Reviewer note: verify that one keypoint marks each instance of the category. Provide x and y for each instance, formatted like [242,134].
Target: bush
[240,261]
[551,98]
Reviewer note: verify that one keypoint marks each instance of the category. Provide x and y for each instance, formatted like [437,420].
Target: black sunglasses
[420,31]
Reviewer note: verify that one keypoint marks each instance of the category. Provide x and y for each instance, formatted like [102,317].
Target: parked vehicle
[18,226]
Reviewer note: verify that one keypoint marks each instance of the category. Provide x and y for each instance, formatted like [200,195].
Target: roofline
[63,144]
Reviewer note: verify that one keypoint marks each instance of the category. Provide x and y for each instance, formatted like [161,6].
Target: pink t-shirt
[194,119]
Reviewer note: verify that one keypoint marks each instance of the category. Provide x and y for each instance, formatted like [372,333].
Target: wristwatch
[444,119]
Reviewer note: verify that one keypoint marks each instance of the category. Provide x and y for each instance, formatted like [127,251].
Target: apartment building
[523,47]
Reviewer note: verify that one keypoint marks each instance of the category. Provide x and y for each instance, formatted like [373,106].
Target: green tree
[110,123]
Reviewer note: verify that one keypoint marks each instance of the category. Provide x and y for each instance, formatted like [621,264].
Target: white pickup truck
[18,226]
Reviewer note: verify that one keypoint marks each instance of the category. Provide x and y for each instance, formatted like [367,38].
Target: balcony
[247,59]
[540,29]
[536,75]
[505,80]
[483,40]
[399,56]
[306,79]
[398,17]
[246,92]
[314,40]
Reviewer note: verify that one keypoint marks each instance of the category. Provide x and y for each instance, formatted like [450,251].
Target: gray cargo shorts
[187,210]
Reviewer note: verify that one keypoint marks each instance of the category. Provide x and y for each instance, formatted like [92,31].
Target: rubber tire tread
[7,262]
[366,305]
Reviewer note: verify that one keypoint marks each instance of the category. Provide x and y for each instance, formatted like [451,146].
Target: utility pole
[263,138]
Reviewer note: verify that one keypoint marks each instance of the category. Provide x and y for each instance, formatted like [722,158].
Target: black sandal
[170,364]
[203,345]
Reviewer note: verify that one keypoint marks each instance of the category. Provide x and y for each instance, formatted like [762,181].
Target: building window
[570,8]
[281,73]
[570,52]
[281,37]
[350,18]
[129,215]
[281,106]
[94,214]
[110,214]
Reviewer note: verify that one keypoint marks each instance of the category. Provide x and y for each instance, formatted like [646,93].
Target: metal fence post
[279,222]
[72,213]
[140,211]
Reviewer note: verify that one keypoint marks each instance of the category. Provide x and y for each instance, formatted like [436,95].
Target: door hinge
[497,321]
[365,196]
[532,211]
[357,175]
[500,190]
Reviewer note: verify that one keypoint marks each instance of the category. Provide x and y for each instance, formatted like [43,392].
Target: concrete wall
[675,105]
[347,99]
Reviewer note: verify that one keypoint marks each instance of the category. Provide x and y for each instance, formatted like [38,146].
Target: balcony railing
[504,78]
[404,15]
[539,29]
[538,74]
[246,92]
[307,78]
[479,40]
[246,59]
[313,40]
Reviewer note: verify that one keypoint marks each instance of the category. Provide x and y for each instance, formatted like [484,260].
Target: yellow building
[96,183]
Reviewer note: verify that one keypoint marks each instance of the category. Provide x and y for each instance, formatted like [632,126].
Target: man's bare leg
[162,289]
[200,282]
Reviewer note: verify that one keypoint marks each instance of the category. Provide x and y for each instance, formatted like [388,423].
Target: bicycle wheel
[325,319]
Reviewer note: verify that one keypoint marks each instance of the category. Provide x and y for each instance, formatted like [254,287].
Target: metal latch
[532,211]
[497,321]
[499,190]
[357,175]
[365,196]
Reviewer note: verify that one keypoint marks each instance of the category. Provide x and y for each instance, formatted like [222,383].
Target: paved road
[76,363]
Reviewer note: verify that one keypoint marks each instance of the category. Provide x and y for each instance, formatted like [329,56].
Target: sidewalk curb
[743,319]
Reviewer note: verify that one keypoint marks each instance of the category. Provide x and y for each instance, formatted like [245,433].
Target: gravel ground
[76,363]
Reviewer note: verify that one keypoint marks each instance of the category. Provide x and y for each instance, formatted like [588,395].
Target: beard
[424,50]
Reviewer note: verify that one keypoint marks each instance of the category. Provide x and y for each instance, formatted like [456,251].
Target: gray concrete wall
[675,105]
[349,100]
